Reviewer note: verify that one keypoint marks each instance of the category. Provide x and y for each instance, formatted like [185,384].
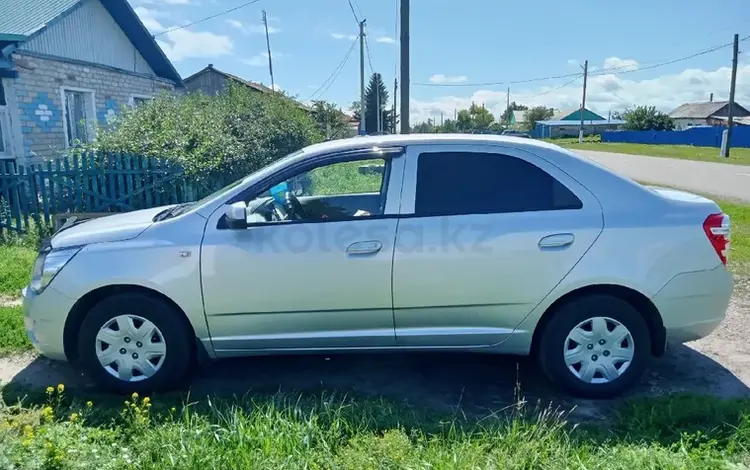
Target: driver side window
[336,191]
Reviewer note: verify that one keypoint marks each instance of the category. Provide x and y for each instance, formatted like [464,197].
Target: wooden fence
[91,183]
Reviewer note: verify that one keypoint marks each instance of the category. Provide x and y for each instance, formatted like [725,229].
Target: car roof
[391,140]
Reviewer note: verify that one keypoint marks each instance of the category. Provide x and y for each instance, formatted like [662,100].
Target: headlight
[48,264]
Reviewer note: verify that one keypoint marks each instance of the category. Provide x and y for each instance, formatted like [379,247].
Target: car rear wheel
[135,343]
[595,346]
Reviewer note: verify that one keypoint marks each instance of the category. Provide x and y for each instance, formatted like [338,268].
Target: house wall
[209,82]
[89,33]
[684,123]
[38,89]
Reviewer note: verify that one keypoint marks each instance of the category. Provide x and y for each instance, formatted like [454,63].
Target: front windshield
[260,174]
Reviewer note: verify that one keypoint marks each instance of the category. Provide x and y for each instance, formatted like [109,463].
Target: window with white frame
[4,126]
[79,115]
[137,100]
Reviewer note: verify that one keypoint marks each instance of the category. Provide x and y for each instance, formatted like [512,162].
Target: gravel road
[720,179]
[718,365]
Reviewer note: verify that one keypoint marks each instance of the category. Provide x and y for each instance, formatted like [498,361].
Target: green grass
[15,268]
[738,156]
[13,337]
[345,178]
[328,432]
[739,250]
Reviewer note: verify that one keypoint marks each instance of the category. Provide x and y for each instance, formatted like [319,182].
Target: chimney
[711,98]
[212,66]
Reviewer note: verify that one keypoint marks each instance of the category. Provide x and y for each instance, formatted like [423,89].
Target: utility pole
[377,107]
[405,67]
[583,102]
[732,86]
[268,45]
[362,104]
[507,106]
[395,94]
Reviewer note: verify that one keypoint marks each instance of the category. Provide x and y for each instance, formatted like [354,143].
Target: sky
[474,44]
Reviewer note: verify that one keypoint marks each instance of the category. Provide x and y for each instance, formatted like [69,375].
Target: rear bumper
[693,304]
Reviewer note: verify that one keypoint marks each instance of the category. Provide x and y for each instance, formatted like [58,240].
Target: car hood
[111,228]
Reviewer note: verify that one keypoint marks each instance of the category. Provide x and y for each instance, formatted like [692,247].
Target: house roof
[587,122]
[22,19]
[562,114]
[697,110]
[256,86]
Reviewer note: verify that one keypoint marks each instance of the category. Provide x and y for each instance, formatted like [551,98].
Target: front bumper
[44,317]
[692,305]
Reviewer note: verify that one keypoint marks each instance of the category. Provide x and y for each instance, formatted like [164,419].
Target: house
[67,66]
[517,119]
[567,123]
[211,81]
[708,113]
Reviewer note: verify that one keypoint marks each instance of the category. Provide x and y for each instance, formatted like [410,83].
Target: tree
[375,89]
[216,139]
[647,118]
[505,118]
[474,119]
[330,119]
[539,113]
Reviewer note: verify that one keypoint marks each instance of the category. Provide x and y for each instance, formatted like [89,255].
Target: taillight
[717,230]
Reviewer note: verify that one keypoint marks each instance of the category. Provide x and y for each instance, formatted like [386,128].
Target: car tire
[608,330]
[129,331]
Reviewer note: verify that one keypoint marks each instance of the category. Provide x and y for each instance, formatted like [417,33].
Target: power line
[358,8]
[598,72]
[207,18]
[369,55]
[528,97]
[356,18]
[334,75]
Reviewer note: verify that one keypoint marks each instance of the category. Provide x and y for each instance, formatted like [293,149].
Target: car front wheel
[133,342]
[596,346]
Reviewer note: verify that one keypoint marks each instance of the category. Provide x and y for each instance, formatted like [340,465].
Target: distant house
[67,66]
[517,119]
[212,81]
[567,123]
[711,113]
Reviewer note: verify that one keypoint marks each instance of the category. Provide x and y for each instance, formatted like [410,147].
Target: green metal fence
[91,183]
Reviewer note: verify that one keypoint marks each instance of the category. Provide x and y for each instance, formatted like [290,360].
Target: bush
[225,136]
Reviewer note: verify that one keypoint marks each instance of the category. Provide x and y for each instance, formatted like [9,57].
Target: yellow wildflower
[173,409]
[60,388]
[50,390]
[73,417]
[89,404]
[134,396]
[146,401]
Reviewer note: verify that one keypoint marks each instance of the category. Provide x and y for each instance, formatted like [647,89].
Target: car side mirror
[236,215]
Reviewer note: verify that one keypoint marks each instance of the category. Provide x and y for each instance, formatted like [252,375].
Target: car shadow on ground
[475,384]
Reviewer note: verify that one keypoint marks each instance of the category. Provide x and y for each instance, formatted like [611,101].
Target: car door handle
[364,248]
[558,240]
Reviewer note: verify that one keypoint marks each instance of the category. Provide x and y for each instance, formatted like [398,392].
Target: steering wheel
[294,209]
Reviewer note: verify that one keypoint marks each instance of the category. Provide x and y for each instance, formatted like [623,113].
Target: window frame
[391,177]
[89,97]
[409,189]
[6,144]
[135,96]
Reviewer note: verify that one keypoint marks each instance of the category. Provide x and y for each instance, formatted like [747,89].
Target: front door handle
[558,240]
[364,248]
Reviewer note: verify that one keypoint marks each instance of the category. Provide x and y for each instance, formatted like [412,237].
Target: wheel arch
[84,305]
[643,305]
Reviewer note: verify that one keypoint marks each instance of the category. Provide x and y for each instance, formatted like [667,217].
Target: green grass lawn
[15,268]
[13,337]
[739,249]
[738,156]
[296,431]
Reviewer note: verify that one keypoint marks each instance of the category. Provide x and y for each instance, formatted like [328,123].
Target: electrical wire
[527,97]
[356,18]
[206,18]
[334,75]
[610,70]
[369,55]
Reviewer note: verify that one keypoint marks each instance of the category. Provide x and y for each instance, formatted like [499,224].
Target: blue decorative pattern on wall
[108,114]
[41,112]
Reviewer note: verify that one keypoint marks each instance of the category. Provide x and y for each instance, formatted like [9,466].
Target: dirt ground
[477,384]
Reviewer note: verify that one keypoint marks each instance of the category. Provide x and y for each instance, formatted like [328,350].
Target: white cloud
[573,62]
[440,78]
[252,28]
[184,43]
[606,92]
[620,65]
[385,40]
[350,37]
[261,59]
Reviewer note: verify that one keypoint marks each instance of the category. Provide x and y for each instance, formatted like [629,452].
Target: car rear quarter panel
[165,258]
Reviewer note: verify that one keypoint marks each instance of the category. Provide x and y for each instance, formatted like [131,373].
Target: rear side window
[450,183]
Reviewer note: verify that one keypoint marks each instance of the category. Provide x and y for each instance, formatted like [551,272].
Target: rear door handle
[558,240]
[364,248]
